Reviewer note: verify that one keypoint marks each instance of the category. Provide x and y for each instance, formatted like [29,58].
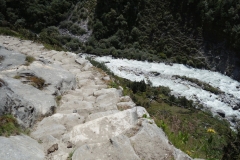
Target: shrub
[144,116]
[66,24]
[29,60]
[162,55]
[9,126]
[8,31]
[89,49]
[17,77]
[72,46]
[190,63]
[58,99]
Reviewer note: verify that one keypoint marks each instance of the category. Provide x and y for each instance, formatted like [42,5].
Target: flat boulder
[56,78]
[107,98]
[20,147]
[101,129]
[25,102]
[118,147]
[151,143]
[10,59]
[125,105]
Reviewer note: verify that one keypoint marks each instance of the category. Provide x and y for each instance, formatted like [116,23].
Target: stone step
[56,125]
[118,148]
[88,120]
[75,105]
[100,114]
[102,129]
[70,97]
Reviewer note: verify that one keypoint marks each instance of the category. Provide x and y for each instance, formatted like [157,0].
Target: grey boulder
[20,148]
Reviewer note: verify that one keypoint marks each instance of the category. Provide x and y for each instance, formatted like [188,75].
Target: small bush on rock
[9,126]
[29,60]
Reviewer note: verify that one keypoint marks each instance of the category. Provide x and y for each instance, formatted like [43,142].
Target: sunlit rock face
[94,121]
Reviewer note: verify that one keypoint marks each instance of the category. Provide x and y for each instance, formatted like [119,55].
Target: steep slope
[91,120]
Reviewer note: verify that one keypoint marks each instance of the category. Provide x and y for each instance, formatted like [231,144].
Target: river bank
[226,104]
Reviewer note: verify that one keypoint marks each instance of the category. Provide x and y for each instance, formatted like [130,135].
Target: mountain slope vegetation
[36,15]
[179,30]
[192,32]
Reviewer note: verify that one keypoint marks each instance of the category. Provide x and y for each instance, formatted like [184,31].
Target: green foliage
[8,31]
[219,20]
[29,60]
[162,55]
[54,40]
[17,77]
[58,99]
[144,116]
[35,14]
[76,30]
[137,86]
[201,84]
[162,125]
[112,84]
[100,65]
[188,129]
[70,155]
[9,126]
[172,31]
[49,36]
[66,24]
[197,133]
[134,23]
[231,149]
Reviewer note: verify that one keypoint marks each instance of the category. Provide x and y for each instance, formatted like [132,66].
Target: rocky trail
[91,121]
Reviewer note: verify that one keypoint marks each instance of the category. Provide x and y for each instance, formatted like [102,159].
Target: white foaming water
[138,70]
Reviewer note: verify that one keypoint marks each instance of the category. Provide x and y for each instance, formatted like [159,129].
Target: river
[226,104]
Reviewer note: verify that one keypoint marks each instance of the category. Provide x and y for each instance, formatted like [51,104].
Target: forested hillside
[193,32]
[35,15]
[198,33]
[179,30]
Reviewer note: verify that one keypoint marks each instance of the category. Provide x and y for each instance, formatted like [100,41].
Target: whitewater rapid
[162,74]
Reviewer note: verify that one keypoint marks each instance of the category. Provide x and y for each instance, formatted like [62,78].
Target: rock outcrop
[92,121]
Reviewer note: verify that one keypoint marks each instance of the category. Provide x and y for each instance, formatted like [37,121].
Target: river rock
[221,113]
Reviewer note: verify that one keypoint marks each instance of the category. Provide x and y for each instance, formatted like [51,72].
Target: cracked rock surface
[91,121]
